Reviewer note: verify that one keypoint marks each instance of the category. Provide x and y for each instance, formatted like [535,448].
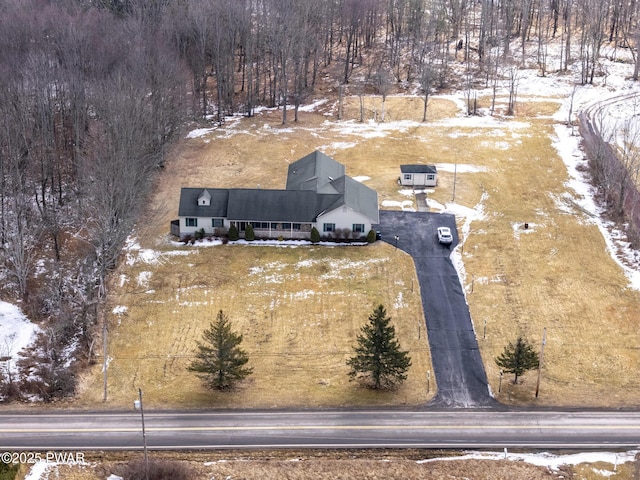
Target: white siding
[203,222]
[418,179]
[343,217]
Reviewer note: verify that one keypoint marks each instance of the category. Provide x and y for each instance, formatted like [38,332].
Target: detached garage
[418,175]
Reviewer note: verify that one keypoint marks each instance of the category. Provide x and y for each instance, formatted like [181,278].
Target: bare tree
[383,86]
[512,74]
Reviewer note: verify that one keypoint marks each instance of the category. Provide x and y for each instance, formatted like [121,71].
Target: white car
[444,235]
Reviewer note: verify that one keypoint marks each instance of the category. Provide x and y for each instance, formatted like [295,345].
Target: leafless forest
[94,92]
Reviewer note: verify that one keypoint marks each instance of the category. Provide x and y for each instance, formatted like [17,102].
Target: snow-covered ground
[16,333]
[550,460]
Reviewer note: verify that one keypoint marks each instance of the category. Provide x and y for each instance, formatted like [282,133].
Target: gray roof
[276,205]
[418,168]
[315,172]
[356,196]
[315,184]
[189,203]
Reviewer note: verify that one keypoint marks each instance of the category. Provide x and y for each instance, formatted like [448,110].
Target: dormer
[204,199]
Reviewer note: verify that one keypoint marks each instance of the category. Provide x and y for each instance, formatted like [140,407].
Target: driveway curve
[457,365]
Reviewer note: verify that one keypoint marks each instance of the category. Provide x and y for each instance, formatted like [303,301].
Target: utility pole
[104,340]
[544,342]
[455,174]
[104,359]
[137,404]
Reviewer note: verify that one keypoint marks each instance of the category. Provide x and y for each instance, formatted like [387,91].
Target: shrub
[9,471]
[249,234]
[158,470]
[371,236]
[233,233]
[315,235]
[199,234]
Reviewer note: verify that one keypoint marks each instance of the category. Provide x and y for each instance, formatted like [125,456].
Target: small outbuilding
[419,175]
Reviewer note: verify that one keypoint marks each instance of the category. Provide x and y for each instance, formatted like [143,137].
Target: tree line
[95,91]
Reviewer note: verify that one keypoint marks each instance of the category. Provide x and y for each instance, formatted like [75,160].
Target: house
[317,194]
[418,175]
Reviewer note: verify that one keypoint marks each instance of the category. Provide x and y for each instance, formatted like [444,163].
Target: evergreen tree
[220,360]
[249,234]
[518,358]
[378,356]
[315,235]
[233,233]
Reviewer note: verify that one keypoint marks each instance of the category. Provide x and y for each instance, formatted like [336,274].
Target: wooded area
[95,91]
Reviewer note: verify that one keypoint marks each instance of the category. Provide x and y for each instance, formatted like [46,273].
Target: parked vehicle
[444,235]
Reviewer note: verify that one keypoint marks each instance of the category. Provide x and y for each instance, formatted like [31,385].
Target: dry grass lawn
[343,465]
[299,309]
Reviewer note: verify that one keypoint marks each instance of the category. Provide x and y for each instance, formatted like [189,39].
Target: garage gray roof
[356,196]
[314,172]
[418,168]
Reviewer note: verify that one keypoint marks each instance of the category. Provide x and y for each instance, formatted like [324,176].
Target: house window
[260,225]
[217,222]
[431,177]
[296,226]
[358,228]
[191,222]
[328,227]
[286,226]
[407,176]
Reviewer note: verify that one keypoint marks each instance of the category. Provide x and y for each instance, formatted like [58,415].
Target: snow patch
[199,132]
[16,332]
[361,178]
[460,168]
[405,205]
[399,302]
[38,471]
[545,459]
[143,279]
[119,310]
[520,228]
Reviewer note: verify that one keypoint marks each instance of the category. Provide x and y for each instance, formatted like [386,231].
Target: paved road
[458,367]
[382,428]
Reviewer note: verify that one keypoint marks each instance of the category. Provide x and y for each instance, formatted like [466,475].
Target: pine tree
[233,233]
[315,235]
[249,234]
[378,357]
[220,360]
[518,358]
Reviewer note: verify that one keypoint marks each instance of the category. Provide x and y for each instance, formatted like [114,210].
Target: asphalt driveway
[457,365]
